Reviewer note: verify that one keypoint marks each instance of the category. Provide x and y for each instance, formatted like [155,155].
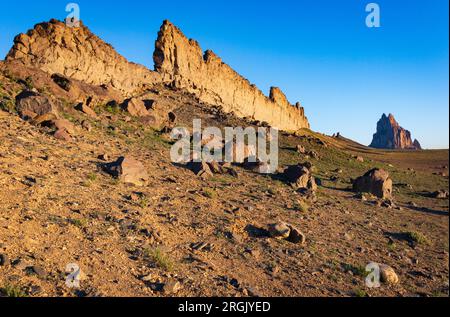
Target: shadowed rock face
[390,135]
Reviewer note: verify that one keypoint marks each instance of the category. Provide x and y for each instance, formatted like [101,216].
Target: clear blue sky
[319,52]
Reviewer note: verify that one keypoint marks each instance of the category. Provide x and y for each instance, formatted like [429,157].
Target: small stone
[296,236]
[38,270]
[388,275]
[4,260]
[172,287]
[86,125]
[441,194]
[86,110]
[279,230]
[62,135]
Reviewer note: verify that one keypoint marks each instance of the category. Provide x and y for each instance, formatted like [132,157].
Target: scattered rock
[62,135]
[279,230]
[440,194]
[128,170]
[31,104]
[4,260]
[136,107]
[388,275]
[376,182]
[300,176]
[296,236]
[359,159]
[62,81]
[86,110]
[301,149]
[200,169]
[172,287]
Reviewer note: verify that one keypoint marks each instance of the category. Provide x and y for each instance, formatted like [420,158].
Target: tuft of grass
[356,270]
[113,108]
[92,177]
[14,291]
[416,237]
[160,258]
[144,203]
[359,293]
[209,193]
[28,82]
[7,105]
[80,223]
[301,206]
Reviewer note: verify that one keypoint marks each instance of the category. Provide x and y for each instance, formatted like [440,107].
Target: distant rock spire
[390,135]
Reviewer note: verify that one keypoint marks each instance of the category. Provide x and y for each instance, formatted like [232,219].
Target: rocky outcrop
[181,62]
[376,182]
[77,53]
[390,135]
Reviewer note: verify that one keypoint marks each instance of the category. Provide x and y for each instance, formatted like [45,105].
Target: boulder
[301,149]
[62,135]
[376,182]
[279,230]
[63,124]
[440,194]
[128,170]
[300,176]
[31,104]
[62,81]
[136,107]
[86,110]
[296,236]
[201,169]
[388,275]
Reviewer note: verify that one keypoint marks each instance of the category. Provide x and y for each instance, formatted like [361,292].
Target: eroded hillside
[183,235]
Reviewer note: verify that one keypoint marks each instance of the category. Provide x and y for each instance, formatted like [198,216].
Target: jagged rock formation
[182,62]
[390,135]
[77,53]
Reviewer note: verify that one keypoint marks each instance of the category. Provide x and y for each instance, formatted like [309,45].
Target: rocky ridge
[79,54]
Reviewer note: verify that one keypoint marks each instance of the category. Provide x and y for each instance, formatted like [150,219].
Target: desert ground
[183,235]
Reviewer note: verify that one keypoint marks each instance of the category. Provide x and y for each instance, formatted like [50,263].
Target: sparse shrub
[416,237]
[80,223]
[113,108]
[209,193]
[92,177]
[356,270]
[12,291]
[143,202]
[302,206]
[7,105]
[28,82]
[160,258]
[360,293]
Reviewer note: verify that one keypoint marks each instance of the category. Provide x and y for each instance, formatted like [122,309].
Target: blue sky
[319,52]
